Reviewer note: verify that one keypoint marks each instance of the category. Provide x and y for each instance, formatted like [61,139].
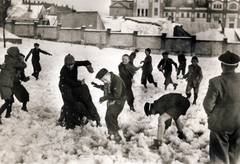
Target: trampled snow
[34,138]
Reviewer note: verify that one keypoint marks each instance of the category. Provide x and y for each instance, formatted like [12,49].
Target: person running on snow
[165,66]
[147,69]
[182,64]
[35,59]
[133,56]
[115,95]
[126,72]
[194,78]
[12,62]
[75,94]
[169,106]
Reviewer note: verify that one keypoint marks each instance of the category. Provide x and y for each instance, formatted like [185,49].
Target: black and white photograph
[119,82]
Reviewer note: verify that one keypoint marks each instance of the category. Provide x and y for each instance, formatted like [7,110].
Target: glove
[97,86]
[102,99]
[89,68]
[50,54]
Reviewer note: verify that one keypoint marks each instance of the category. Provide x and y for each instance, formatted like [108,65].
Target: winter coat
[35,54]
[116,90]
[13,62]
[70,77]
[147,66]
[132,57]
[173,103]
[222,102]
[181,59]
[166,65]
[126,72]
[194,75]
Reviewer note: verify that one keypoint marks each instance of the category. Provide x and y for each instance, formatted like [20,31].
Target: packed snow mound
[154,26]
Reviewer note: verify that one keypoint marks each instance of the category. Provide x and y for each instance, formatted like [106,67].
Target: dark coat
[221,102]
[182,59]
[194,75]
[8,72]
[173,104]
[166,65]
[36,58]
[117,90]
[147,66]
[132,57]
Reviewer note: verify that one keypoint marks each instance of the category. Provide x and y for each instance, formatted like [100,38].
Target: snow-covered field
[33,138]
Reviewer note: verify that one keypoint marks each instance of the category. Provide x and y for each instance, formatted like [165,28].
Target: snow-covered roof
[21,11]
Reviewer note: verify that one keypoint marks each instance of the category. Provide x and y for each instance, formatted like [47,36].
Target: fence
[107,38]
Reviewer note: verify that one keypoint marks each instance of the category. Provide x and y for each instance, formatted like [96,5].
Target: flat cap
[165,53]
[229,58]
[101,73]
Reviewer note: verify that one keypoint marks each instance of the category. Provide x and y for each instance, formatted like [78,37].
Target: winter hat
[101,73]
[69,59]
[195,58]
[14,52]
[229,58]
[136,50]
[148,108]
[36,44]
[148,49]
[165,53]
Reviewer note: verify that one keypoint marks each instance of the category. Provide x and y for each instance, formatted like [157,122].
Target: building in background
[227,12]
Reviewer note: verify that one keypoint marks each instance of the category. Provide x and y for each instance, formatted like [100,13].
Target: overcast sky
[102,6]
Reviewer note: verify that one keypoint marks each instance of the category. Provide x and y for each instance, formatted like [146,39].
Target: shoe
[117,137]
[194,102]
[156,144]
[26,79]
[98,123]
[145,86]
[175,86]
[24,109]
[181,135]
[155,84]
[132,109]
[165,88]
[7,115]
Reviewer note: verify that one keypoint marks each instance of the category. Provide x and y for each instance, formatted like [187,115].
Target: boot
[117,137]
[175,86]
[132,109]
[9,110]
[156,144]
[195,98]
[145,86]
[188,95]
[181,135]
[165,88]
[98,123]
[155,84]
[24,108]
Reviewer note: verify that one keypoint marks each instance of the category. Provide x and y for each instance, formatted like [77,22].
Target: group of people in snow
[221,102]
[12,74]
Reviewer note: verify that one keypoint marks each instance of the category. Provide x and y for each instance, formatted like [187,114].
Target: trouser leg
[111,117]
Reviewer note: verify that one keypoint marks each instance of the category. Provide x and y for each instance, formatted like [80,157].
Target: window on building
[138,14]
[232,19]
[216,18]
[130,5]
[204,15]
[166,15]
[231,25]
[155,11]
[198,15]
[182,15]
[232,6]
[217,6]
[142,12]
[146,12]
[188,15]
[155,0]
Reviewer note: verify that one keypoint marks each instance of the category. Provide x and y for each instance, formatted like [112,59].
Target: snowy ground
[33,137]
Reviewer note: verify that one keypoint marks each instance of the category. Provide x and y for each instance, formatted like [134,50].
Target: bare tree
[4,5]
